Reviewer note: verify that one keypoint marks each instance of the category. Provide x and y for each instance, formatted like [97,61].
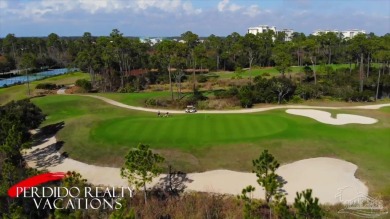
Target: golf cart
[190,109]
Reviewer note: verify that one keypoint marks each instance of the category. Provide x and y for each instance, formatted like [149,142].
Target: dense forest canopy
[116,61]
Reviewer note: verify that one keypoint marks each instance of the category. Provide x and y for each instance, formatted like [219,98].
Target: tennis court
[34,77]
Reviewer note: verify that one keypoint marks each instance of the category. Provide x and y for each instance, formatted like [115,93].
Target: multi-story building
[265,28]
[261,29]
[351,33]
[288,32]
[318,32]
[347,34]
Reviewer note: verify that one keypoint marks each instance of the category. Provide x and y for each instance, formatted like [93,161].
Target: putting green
[188,129]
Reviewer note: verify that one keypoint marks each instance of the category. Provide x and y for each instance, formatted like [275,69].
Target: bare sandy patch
[326,176]
[61,90]
[326,117]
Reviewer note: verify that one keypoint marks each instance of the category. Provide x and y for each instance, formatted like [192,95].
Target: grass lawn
[385,109]
[96,132]
[18,92]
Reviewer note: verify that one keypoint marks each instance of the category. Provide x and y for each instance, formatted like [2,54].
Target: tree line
[109,58]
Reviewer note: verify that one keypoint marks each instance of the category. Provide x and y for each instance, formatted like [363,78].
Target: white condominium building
[318,32]
[265,28]
[347,34]
[288,32]
[351,33]
[261,29]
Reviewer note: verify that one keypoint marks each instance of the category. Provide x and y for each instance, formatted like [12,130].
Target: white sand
[61,90]
[45,156]
[325,117]
[324,175]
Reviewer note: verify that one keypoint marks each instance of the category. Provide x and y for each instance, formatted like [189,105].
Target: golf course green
[98,133]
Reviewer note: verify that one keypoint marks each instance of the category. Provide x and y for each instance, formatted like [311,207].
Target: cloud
[234,7]
[164,5]
[225,5]
[222,4]
[92,6]
[300,13]
[252,11]
[170,6]
[189,9]
[38,9]
[3,4]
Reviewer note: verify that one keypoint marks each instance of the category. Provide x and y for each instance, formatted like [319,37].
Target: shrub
[246,102]
[308,91]
[308,71]
[365,96]
[306,206]
[237,76]
[212,75]
[246,96]
[21,115]
[221,94]
[46,86]
[202,78]
[265,74]
[152,102]
[85,84]
[296,99]
[127,89]
[195,97]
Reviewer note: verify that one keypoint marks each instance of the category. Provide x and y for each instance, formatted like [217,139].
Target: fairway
[98,133]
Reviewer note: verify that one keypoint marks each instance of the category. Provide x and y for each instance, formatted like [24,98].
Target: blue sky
[174,17]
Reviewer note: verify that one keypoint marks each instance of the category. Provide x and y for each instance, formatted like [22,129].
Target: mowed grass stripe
[159,129]
[186,130]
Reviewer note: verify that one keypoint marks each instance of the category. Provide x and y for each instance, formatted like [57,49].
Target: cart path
[252,110]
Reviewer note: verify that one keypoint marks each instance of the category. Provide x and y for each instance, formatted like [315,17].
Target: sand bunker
[325,117]
[326,176]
